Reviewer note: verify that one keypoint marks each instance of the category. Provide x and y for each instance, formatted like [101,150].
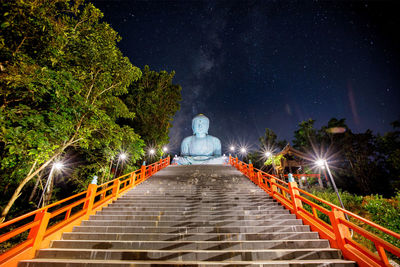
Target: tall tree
[154,100]
[270,141]
[306,136]
[61,75]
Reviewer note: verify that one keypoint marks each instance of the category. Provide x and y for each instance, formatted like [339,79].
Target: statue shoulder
[187,139]
[215,139]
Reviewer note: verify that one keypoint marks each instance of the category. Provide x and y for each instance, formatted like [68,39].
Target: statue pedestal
[200,160]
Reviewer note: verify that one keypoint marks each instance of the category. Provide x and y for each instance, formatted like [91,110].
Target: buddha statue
[200,148]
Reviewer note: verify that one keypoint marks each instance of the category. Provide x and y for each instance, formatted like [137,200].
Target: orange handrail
[86,203]
[337,231]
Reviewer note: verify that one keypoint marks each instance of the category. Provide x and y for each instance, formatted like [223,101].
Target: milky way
[248,65]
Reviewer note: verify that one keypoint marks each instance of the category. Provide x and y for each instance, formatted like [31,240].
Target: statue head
[200,124]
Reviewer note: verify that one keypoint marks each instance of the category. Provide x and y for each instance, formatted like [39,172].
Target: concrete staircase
[191,215]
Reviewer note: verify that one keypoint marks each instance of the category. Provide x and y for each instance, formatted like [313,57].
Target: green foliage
[154,100]
[62,76]
[380,210]
[305,136]
[270,141]
[274,160]
[385,212]
[362,162]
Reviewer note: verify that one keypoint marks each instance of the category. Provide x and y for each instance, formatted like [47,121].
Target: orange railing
[48,223]
[334,226]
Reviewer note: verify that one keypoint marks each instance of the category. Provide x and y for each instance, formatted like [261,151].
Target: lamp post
[322,163]
[243,151]
[165,150]
[122,157]
[57,166]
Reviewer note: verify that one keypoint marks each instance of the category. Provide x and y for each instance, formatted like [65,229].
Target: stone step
[192,215]
[189,223]
[199,218]
[273,220]
[277,210]
[189,237]
[196,198]
[173,208]
[200,202]
[191,255]
[199,192]
[194,245]
[129,263]
[196,204]
[193,229]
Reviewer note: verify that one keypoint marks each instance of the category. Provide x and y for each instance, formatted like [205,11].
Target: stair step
[195,219]
[189,237]
[197,255]
[171,208]
[191,216]
[129,263]
[192,229]
[193,245]
[133,217]
[246,213]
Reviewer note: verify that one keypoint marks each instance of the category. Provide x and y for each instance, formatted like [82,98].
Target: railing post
[274,188]
[132,179]
[37,232]
[293,191]
[259,179]
[90,195]
[340,230]
[143,172]
[117,184]
[160,165]
[251,171]
[168,160]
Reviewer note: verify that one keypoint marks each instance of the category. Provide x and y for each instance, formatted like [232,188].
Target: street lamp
[57,166]
[323,164]
[165,149]
[232,148]
[122,157]
[268,154]
[152,151]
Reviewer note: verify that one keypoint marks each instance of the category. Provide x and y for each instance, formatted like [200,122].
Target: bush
[383,211]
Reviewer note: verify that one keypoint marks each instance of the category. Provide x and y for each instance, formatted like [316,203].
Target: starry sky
[251,65]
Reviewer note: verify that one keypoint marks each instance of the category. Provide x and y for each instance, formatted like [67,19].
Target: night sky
[248,65]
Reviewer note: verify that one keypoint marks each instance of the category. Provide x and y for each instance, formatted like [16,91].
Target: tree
[306,136]
[270,141]
[154,100]
[61,77]
[389,149]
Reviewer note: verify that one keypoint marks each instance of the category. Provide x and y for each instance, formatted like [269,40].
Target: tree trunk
[33,194]
[32,173]
[17,191]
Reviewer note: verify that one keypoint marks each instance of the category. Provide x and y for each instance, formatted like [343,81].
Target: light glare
[58,165]
[123,156]
[320,163]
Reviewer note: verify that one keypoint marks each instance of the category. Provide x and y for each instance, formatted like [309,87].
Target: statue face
[200,124]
